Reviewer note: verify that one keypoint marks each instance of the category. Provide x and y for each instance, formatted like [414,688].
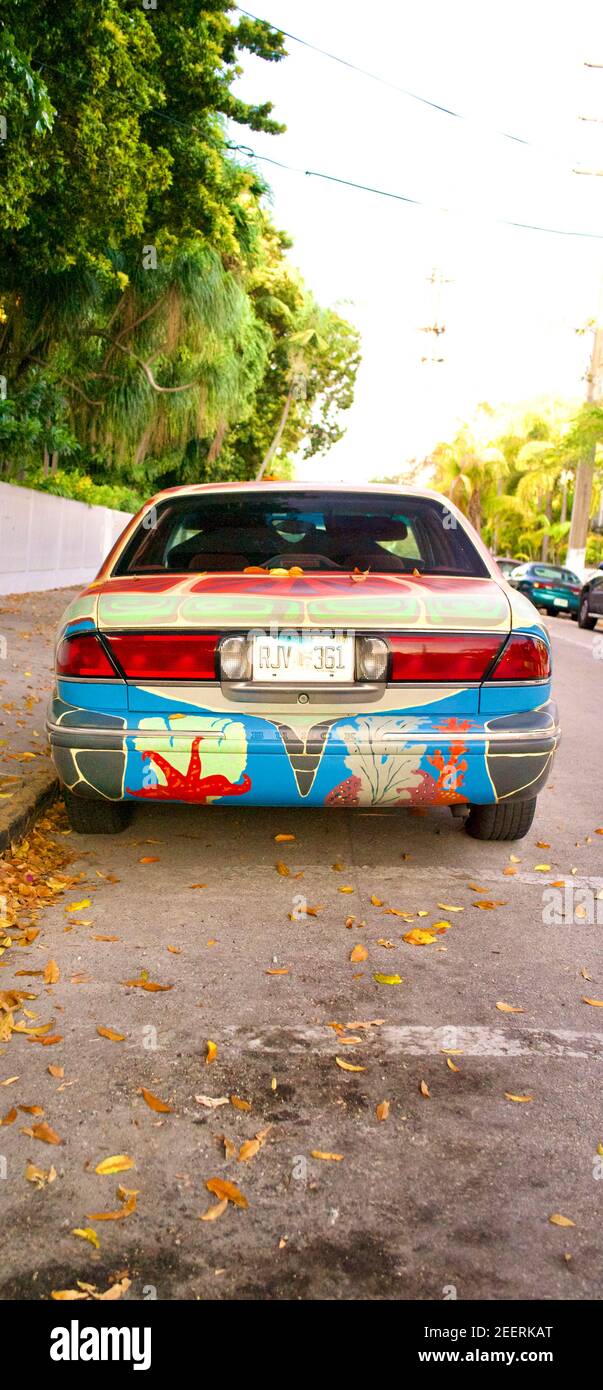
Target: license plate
[561,602]
[305,659]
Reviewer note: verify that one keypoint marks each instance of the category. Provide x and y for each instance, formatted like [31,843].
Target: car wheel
[584,619]
[96,817]
[508,820]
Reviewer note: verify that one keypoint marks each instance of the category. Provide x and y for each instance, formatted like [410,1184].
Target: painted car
[591,601]
[277,644]
[552,588]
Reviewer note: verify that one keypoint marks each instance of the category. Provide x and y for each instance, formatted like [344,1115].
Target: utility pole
[437,281]
[576,549]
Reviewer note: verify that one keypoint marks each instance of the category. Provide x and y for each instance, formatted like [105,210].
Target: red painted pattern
[190,785]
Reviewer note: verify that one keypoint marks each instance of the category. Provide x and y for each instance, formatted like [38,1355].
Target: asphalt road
[451,1194]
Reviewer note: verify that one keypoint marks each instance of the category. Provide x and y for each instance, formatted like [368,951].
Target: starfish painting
[189,785]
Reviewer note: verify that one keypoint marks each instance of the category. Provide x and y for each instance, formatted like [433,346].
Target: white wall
[50,542]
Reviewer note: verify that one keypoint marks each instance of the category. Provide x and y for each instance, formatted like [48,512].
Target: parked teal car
[552,588]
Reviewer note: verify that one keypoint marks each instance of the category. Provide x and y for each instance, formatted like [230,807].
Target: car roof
[273,485]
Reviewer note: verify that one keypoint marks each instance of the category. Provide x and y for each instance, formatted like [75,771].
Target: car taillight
[178,656]
[523,659]
[371,659]
[235,658]
[84,655]
[452,657]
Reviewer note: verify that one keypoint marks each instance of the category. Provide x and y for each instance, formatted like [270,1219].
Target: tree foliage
[147,307]
[513,476]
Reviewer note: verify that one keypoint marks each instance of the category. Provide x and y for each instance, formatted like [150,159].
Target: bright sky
[515,297]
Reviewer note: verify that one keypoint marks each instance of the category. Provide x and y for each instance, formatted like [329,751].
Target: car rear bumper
[554,605]
[351,760]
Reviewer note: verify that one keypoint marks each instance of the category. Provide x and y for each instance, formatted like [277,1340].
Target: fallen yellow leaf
[125,1210]
[149,985]
[382,1110]
[283,869]
[45,1133]
[596,1003]
[40,1176]
[387,979]
[557,1220]
[424,1089]
[86,1233]
[451,1065]
[419,937]
[68,1295]
[215,1211]
[226,1191]
[211,1051]
[240,1104]
[520,1100]
[117,1163]
[51,973]
[359,953]
[251,1147]
[280,839]
[110,1034]
[78,907]
[154,1103]
[508,1008]
[347,1066]
[542,868]
[329,1158]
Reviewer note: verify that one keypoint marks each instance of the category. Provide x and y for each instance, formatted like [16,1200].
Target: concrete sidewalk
[27,628]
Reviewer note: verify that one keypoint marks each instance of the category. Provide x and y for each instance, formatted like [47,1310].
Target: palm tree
[300,346]
[468,473]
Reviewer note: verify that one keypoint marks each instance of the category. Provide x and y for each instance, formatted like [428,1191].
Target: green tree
[141,277]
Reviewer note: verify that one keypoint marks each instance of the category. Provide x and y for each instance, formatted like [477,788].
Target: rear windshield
[315,530]
[555,572]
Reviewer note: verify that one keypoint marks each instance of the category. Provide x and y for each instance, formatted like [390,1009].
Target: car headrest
[385,528]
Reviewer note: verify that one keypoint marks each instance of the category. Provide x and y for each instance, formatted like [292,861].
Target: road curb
[37,791]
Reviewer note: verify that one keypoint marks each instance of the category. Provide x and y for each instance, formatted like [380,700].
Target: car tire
[96,817]
[584,619]
[508,820]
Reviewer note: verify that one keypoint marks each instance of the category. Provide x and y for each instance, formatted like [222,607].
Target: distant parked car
[550,587]
[591,601]
[506,565]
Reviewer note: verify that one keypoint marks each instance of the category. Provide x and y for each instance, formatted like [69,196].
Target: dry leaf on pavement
[226,1191]
[215,1211]
[117,1163]
[347,1066]
[154,1103]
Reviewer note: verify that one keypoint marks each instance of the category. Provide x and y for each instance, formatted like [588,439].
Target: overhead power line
[404,198]
[394,87]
